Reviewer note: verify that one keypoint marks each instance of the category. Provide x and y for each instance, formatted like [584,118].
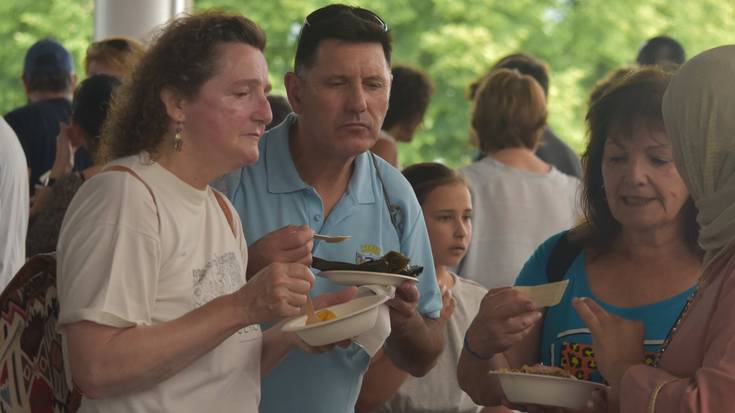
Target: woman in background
[89,110]
[114,56]
[519,200]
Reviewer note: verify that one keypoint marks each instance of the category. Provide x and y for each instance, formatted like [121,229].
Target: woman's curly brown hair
[183,57]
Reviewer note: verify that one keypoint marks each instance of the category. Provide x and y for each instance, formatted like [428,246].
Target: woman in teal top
[565,340]
[635,253]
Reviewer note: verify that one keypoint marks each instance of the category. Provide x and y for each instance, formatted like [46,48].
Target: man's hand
[414,342]
[289,244]
[403,305]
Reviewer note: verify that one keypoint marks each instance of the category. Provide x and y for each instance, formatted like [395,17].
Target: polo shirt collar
[280,170]
[284,178]
[362,186]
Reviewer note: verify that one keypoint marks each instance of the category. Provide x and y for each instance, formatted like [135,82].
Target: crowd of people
[181,200]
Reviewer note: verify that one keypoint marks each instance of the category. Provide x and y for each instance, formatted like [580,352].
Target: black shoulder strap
[564,253]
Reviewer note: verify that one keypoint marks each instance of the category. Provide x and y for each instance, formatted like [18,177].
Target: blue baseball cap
[48,56]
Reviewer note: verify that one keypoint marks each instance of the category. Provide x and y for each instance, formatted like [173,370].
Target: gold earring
[178,140]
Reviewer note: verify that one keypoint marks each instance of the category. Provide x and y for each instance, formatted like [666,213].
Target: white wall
[134,18]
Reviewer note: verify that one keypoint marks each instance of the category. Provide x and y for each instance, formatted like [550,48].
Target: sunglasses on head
[330,12]
[118,44]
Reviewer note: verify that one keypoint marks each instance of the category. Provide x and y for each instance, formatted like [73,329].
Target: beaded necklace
[682,315]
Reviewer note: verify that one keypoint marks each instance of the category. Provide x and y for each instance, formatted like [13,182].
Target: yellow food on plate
[325,315]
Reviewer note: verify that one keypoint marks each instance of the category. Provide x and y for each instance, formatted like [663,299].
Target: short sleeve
[109,253]
[416,243]
[534,270]
[415,240]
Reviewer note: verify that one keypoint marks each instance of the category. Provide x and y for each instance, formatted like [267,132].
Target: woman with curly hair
[155,310]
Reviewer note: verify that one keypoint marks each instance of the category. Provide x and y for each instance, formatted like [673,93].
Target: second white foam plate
[359,278]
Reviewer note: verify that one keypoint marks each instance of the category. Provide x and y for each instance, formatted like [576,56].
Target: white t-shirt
[13,204]
[117,267]
[439,391]
[514,211]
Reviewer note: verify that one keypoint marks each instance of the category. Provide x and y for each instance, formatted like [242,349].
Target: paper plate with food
[338,322]
[392,269]
[545,386]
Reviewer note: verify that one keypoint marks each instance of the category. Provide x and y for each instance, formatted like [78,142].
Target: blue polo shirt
[270,194]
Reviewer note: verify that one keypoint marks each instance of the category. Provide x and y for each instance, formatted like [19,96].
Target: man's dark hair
[49,82]
[410,93]
[661,50]
[525,63]
[340,22]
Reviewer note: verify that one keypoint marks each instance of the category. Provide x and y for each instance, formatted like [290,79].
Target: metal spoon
[331,238]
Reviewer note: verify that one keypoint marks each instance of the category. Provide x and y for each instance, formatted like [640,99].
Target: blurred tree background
[454,41]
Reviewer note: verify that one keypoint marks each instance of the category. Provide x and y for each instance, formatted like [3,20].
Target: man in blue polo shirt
[316,173]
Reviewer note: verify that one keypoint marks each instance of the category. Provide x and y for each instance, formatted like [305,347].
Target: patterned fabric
[31,367]
[579,360]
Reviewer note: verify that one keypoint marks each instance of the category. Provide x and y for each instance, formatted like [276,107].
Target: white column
[134,18]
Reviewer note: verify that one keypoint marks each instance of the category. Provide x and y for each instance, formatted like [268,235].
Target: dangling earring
[178,140]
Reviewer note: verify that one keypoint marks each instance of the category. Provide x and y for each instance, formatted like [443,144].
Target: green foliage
[22,23]
[454,41]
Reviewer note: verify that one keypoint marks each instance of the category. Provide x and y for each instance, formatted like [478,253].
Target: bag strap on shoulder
[217,195]
[562,256]
[225,210]
[120,168]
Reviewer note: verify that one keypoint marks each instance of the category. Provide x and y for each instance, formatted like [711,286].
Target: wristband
[474,353]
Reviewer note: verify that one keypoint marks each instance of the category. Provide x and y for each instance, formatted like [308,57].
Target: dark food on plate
[393,263]
[543,370]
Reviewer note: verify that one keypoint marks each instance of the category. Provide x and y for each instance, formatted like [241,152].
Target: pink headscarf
[699,113]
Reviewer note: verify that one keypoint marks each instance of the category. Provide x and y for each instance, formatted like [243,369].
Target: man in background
[410,93]
[49,81]
[661,51]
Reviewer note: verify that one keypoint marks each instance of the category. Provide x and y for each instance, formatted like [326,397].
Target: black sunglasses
[334,10]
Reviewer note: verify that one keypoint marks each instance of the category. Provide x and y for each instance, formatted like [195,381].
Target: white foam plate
[353,318]
[359,278]
[524,388]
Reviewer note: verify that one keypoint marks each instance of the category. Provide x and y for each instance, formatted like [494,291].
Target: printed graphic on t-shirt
[221,275]
[579,360]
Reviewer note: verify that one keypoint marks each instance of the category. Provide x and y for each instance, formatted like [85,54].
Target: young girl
[447,207]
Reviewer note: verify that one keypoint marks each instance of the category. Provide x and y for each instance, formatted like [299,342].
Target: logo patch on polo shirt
[368,252]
